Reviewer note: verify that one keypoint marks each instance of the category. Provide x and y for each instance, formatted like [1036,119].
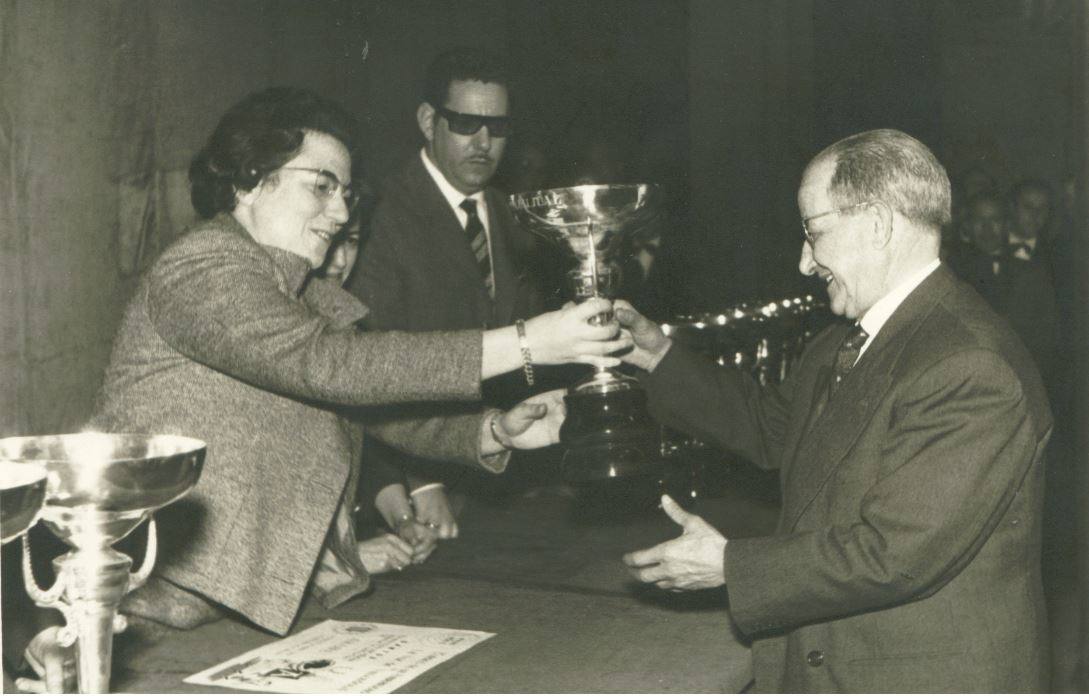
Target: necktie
[846,356]
[478,241]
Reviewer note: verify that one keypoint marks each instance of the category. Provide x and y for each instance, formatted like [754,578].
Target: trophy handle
[43,598]
[50,598]
[144,572]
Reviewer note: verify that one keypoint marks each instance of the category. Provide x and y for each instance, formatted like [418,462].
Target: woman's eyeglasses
[469,124]
[327,185]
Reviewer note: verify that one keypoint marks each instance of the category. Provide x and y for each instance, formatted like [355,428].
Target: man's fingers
[675,511]
[644,557]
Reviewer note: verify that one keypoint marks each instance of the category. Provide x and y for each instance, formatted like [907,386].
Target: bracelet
[527,357]
[495,433]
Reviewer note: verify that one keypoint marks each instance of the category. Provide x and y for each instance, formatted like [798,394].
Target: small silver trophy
[608,432]
[99,488]
[22,492]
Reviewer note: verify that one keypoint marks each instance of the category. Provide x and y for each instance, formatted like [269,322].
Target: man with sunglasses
[442,250]
[910,443]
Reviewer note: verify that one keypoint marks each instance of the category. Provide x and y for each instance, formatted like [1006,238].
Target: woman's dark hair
[258,135]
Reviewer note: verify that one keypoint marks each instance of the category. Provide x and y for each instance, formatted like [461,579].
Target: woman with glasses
[222,342]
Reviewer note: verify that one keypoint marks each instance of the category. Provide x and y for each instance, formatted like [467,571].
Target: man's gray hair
[893,167]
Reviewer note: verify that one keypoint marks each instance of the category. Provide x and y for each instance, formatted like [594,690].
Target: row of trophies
[93,489]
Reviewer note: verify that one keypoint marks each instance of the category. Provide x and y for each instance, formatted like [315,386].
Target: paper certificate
[341,657]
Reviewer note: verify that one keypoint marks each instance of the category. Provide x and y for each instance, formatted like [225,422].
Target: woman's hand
[531,424]
[384,553]
[395,507]
[54,665]
[567,336]
[433,511]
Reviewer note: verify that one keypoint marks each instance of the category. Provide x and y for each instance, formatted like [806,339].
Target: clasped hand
[693,561]
[567,336]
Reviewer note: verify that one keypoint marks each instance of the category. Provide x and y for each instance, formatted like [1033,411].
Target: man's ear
[425,119]
[882,226]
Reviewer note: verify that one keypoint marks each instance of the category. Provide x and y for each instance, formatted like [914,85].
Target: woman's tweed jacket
[217,345]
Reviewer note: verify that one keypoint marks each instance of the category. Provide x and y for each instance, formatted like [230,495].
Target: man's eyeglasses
[469,124]
[327,185]
[812,238]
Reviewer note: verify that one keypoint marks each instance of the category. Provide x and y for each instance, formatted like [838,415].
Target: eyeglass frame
[810,237]
[350,195]
[505,123]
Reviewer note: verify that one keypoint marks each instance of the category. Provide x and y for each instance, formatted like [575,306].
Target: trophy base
[608,431]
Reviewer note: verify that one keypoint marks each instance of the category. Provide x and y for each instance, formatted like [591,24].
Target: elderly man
[907,554]
[443,250]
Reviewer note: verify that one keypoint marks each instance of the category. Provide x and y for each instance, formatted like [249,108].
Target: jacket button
[815,658]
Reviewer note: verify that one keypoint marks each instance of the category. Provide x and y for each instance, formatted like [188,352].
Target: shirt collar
[451,194]
[876,316]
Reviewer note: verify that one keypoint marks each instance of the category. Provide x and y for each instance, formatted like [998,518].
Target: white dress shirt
[876,316]
[455,198]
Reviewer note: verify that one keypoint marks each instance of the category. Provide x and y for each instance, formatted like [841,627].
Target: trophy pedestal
[608,431]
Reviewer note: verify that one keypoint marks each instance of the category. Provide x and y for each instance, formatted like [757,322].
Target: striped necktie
[478,241]
[846,356]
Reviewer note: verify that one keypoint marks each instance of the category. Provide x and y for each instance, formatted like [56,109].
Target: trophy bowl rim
[587,187]
[39,473]
[135,483]
[193,445]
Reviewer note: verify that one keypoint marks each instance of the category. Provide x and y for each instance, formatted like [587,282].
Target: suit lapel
[448,236]
[838,426]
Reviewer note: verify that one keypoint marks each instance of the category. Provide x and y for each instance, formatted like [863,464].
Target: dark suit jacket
[1022,292]
[907,555]
[416,272]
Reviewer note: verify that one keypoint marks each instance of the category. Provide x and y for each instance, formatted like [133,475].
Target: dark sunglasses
[469,124]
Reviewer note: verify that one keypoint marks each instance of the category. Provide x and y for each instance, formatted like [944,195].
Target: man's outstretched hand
[693,561]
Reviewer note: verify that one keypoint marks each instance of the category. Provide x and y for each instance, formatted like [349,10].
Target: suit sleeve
[432,434]
[377,280]
[720,405]
[958,446]
[226,311]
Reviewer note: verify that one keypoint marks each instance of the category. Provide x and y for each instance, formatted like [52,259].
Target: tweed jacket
[907,554]
[416,272]
[217,344]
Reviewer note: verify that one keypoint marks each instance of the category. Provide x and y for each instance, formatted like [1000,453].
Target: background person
[443,251]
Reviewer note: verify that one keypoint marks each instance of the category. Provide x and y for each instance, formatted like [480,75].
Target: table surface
[542,571]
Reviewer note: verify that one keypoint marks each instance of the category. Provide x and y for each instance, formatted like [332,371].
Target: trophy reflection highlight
[608,432]
[99,488]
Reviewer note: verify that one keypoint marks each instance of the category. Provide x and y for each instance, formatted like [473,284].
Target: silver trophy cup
[608,432]
[22,492]
[99,488]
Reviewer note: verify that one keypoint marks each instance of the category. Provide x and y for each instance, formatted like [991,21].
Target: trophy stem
[94,645]
[95,581]
[595,284]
